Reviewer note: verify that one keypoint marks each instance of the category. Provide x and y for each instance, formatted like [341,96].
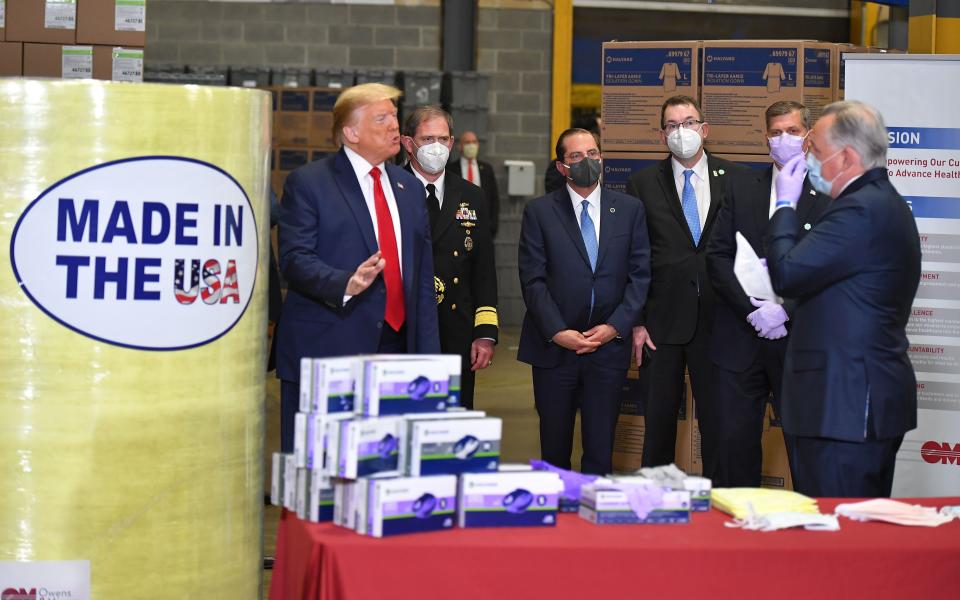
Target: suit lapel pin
[813,192]
[714,173]
[613,210]
[720,171]
[400,185]
[807,226]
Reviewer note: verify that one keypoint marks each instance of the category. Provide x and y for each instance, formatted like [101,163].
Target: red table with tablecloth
[577,559]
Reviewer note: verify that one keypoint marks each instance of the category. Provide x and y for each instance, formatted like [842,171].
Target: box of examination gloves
[410,504]
[393,384]
[327,385]
[671,477]
[451,446]
[320,498]
[505,499]
[610,502]
[411,418]
[310,435]
[369,446]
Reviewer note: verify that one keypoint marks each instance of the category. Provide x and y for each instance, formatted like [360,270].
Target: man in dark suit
[478,172]
[465,277]
[748,360]
[681,195]
[354,249]
[584,261]
[849,391]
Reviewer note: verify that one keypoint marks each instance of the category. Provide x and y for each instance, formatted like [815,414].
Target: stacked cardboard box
[74,39]
[302,128]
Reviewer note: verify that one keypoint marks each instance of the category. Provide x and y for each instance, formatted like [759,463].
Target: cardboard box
[293,117]
[775,472]
[321,121]
[111,22]
[41,21]
[754,161]
[54,60]
[628,440]
[619,166]
[11,59]
[637,78]
[741,79]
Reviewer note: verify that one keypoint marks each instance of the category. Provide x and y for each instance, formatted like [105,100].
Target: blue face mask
[824,186]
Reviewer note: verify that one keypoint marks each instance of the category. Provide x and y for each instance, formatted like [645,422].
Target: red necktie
[470,171]
[395,313]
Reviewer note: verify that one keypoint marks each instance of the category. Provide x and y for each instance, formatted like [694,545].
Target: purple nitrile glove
[767,318]
[776,333]
[572,481]
[790,180]
[763,262]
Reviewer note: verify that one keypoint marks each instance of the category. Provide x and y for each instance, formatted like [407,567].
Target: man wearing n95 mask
[849,391]
[681,194]
[749,338]
[465,277]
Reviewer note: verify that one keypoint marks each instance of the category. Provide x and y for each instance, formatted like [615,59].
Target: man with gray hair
[849,391]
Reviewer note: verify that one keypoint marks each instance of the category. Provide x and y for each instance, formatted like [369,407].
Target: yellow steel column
[948,28]
[562,68]
[922,27]
[856,22]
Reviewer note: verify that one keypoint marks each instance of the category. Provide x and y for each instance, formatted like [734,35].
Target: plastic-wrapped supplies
[133,307]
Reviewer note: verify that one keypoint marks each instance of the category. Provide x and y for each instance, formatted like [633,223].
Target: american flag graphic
[211,272]
[230,288]
[186,297]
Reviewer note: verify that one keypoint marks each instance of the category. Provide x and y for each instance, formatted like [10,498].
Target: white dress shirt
[773,190]
[437,184]
[593,208]
[362,168]
[701,185]
[465,168]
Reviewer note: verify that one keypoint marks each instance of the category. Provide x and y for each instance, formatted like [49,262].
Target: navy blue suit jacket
[847,375]
[556,279]
[734,343]
[325,233]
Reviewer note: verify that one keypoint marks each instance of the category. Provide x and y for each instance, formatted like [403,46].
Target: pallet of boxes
[735,82]
[382,447]
[73,39]
[302,129]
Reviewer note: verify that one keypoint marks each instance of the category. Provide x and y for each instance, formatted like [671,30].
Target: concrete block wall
[514,49]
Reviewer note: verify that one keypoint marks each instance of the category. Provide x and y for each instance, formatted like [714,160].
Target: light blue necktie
[689,203]
[588,232]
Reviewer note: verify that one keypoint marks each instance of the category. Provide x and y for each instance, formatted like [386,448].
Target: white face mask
[684,142]
[433,157]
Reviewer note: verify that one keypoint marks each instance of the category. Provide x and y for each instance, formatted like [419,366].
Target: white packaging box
[514,467]
[302,503]
[602,504]
[321,498]
[332,384]
[394,387]
[289,482]
[319,449]
[453,446]
[410,418]
[360,504]
[700,489]
[411,504]
[369,446]
[505,499]
[343,503]
[276,479]
[452,362]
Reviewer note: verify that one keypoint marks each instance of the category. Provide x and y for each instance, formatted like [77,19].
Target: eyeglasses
[430,139]
[578,156]
[692,124]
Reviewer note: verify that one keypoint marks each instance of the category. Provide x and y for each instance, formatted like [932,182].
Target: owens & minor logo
[18,594]
[940,452]
[152,253]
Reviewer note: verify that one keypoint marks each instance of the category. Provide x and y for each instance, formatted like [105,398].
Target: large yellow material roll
[133,220]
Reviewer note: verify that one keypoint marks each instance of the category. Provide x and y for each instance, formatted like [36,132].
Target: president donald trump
[354,249]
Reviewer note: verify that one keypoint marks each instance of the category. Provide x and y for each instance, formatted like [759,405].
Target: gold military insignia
[466,216]
[439,287]
[468,243]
